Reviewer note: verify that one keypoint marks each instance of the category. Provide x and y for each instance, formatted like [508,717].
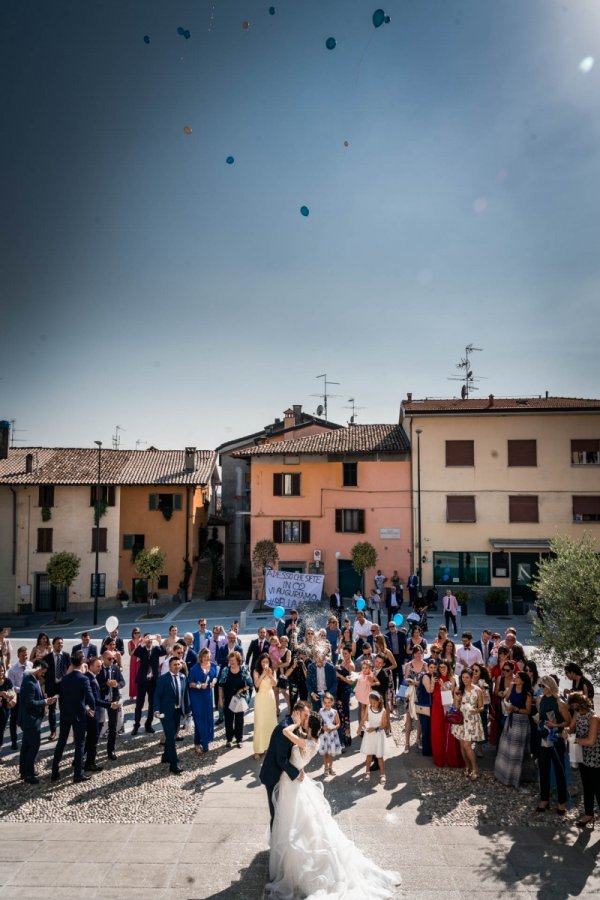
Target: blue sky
[147,283]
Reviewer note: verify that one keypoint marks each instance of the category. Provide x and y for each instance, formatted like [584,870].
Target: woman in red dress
[444,746]
[134,663]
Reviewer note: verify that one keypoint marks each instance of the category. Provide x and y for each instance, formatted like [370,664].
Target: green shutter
[153,504]
[177,501]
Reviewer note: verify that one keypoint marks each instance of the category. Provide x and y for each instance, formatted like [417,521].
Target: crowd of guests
[455,697]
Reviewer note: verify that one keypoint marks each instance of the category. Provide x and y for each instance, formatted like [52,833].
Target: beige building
[499,478]
[148,498]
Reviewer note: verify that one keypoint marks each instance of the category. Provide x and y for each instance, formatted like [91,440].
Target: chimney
[297,407]
[190,459]
[409,396]
[4,438]
[29,464]
[546,399]
[289,418]
[490,401]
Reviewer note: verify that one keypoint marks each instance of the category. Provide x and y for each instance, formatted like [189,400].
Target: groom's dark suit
[276,762]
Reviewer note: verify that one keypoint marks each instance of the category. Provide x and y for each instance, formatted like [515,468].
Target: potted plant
[123,598]
[496,602]
[463,600]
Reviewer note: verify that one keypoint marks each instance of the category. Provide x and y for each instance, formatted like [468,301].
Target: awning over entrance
[520,543]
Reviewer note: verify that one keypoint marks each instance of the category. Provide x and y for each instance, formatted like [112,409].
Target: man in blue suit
[76,704]
[320,677]
[32,706]
[277,757]
[171,702]
[92,725]
[110,680]
[86,646]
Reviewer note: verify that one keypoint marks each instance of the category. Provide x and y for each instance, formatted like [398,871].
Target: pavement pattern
[135,830]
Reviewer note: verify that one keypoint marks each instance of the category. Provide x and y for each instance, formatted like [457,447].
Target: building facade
[499,478]
[48,503]
[317,496]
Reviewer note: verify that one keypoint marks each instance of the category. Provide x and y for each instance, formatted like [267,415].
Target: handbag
[446,698]
[575,751]
[454,716]
[422,710]
[237,704]
[401,692]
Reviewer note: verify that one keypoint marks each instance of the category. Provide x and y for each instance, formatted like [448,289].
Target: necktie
[58,667]
[177,693]
[110,690]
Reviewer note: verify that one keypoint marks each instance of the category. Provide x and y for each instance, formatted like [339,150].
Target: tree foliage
[568,590]
[265,554]
[364,556]
[63,569]
[150,563]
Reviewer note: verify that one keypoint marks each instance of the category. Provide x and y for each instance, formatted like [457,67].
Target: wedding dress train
[311,858]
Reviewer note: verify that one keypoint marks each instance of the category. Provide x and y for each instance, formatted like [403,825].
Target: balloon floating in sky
[398,619]
[187,129]
[387,20]
[331,43]
[304,210]
[279,612]
[346,143]
[230,160]
[246,25]
[146,39]
[378,18]
[187,35]
[360,604]
[181,31]
[271,10]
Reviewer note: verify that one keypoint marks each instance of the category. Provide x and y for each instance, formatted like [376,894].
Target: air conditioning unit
[578,517]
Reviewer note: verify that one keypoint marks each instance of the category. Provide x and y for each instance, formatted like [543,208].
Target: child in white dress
[375,723]
[329,741]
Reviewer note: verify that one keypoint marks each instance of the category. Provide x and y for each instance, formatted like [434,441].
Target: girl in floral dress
[469,699]
[329,741]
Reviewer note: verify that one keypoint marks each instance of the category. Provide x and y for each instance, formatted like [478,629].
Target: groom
[277,757]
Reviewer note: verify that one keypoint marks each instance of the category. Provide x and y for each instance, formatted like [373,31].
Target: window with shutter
[107,494]
[460,453]
[522,453]
[44,541]
[101,585]
[350,521]
[460,509]
[291,531]
[102,539]
[585,452]
[46,495]
[586,509]
[286,484]
[350,474]
[523,509]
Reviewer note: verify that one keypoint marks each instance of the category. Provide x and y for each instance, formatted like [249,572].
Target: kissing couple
[310,857]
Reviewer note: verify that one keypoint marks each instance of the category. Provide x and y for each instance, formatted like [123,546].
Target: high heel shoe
[585,821]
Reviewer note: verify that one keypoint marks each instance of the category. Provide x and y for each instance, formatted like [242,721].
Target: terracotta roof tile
[483,404]
[122,467]
[353,439]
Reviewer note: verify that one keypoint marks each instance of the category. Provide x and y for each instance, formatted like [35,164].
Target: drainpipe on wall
[187,530]
[14,529]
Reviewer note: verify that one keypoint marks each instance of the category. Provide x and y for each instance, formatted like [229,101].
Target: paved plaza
[143,834]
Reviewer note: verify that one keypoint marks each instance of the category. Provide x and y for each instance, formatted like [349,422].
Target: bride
[310,856]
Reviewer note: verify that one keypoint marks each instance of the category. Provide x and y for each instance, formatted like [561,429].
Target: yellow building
[148,498]
[499,478]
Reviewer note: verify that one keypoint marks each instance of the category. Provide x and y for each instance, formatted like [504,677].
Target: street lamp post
[97,513]
[419,565]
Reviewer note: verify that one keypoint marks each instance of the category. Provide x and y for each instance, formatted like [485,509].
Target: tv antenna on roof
[468,378]
[354,407]
[116,438]
[13,431]
[139,443]
[325,395]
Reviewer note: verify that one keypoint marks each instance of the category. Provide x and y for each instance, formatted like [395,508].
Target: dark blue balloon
[187,35]
[304,210]
[387,20]
[378,18]
[446,577]
[230,160]
[331,43]
[146,39]
[181,31]
[271,10]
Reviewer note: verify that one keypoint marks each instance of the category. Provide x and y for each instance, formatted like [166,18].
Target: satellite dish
[319,410]
[463,392]
[469,374]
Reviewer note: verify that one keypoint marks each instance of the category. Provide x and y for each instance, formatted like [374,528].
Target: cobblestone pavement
[136,830]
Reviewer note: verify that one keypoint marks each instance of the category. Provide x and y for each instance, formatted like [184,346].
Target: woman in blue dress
[201,680]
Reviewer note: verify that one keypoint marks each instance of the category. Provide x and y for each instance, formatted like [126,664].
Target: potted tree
[150,563]
[62,570]
[496,602]
[364,556]
[265,554]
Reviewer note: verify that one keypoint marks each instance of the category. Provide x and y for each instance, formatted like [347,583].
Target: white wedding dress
[310,856]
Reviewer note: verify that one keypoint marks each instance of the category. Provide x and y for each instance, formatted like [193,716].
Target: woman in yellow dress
[265,710]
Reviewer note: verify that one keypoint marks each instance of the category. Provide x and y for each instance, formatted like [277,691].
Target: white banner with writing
[289,589]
